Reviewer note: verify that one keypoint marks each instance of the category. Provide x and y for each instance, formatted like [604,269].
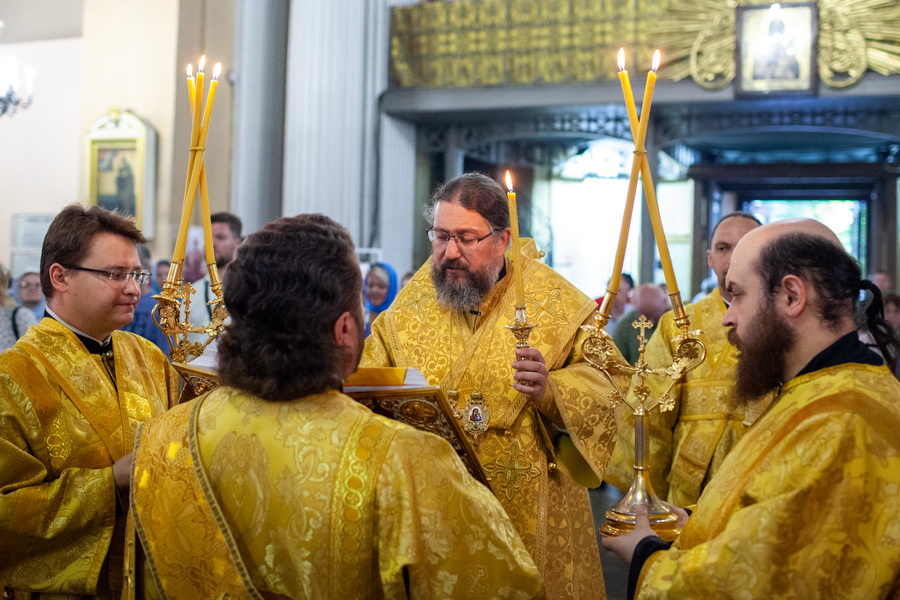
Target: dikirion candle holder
[600,351]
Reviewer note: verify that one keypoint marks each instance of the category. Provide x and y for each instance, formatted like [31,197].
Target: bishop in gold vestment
[550,511]
[807,505]
[316,498]
[63,423]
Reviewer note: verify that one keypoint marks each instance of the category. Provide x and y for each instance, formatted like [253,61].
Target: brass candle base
[521,329]
[620,518]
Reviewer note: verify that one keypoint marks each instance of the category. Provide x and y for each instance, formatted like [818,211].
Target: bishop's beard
[467,293]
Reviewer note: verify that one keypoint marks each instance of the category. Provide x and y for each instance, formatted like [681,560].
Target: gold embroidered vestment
[806,506]
[550,511]
[316,498]
[63,423]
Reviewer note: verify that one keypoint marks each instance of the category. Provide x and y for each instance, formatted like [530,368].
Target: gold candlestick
[599,349]
[599,352]
[521,329]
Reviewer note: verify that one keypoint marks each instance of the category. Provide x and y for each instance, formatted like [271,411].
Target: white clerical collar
[78,331]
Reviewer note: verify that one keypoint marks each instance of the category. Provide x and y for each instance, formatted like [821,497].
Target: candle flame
[621,59]
[217,70]
[201,64]
[509,182]
[656,59]
[190,71]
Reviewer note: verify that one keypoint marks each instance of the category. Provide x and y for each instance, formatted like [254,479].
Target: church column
[259,84]
[327,111]
[398,212]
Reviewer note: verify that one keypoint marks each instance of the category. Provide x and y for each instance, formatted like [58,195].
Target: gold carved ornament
[699,39]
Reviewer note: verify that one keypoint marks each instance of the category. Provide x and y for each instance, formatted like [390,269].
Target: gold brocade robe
[62,426]
[315,498]
[689,442]
[807,506]
[550,511]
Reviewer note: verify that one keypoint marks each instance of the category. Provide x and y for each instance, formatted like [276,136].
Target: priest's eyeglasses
[140,276]
[439,237]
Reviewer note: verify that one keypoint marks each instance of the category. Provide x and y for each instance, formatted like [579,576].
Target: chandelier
[13,94]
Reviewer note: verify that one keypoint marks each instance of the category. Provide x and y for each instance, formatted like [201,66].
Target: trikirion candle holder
[171,314]
[600,351]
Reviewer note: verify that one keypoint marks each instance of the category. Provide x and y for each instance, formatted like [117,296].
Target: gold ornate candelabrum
[599,351]
[172,314]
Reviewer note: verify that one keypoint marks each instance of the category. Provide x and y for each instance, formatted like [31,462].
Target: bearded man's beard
[467,293]
[763,357]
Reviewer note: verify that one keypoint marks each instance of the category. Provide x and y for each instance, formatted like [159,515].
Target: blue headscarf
[392,288]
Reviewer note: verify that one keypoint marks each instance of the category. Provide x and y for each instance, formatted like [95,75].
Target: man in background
[621,303]
[806,505]
[160,274]
[72,391]
[317,496]
[226,234]
[689,443]
[27,291]
[650,300]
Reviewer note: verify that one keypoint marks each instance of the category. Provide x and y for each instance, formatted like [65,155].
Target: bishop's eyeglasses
[140,276]
[467,239]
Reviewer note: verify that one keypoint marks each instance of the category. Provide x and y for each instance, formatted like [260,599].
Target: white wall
[41,147]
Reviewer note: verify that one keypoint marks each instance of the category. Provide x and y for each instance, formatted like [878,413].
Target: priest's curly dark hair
[290,282]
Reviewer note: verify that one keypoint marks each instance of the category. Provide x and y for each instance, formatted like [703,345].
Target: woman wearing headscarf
[14,319]
[379,291]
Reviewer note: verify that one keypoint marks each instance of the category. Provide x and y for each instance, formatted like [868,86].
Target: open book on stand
[405,396]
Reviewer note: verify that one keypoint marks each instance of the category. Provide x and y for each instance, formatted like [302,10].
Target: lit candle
[645,105]
[626,91]
[619,261]
[204,192]
[197,165]
[187,203]
[516,250]
[649,192]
